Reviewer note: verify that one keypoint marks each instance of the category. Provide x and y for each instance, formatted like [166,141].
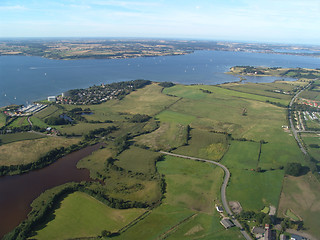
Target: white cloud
[12,8]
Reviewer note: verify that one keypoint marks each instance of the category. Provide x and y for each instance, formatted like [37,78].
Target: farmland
[68,219]
[239,125]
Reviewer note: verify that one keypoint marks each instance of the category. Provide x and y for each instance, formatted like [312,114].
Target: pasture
[94,217]
[167,136]
[204,144]
[15,137]
[2,119]
[51,110]
[122,184]
[310,139]
[148,100]
[38,122]
[252,189]
[138,160]
[188,204]
[302,196]
[27,151]
[19,122]
[263,89]
[248,159]
[175,117]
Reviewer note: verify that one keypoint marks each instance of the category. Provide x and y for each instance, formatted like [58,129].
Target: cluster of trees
[139,118]
[312,145]
[121,143]
[301,73]
[293,169]
[57,121]
[100,132]
[166,84]
[251,69]
[277,104]
[304,107]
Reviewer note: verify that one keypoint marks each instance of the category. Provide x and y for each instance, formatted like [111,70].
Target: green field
[2,119]
[188,206]
[167,136]
[175,117]
[19,122]
[122,184]
[26,151]
[51,110]
[312,139]
[147,100]
[204,144]
[242,155]
[264,89]
[291,215]
[15,137]
[255,190]
[138,160]
[264,188]
[93,218]
[265,210]
[38,122]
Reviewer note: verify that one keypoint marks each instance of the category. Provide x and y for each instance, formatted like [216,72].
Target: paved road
[223,189]
[294,131]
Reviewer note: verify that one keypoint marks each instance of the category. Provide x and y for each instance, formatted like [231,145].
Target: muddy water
[17,192]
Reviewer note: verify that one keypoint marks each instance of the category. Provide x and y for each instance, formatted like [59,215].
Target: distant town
[69,49]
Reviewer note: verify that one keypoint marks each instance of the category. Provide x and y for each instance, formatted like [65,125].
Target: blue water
[25,79]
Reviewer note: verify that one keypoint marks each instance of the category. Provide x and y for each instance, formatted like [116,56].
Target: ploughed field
[240,125]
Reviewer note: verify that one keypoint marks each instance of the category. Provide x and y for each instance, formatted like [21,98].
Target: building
[52,98]
[226,223]
[297,237]
[267,233]
[258,232]
[219,209]
[283,237]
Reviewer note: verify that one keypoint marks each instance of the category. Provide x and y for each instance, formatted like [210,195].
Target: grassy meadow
[26,151]
[167,136]
[204,144]
[312,139]
[264,188]
[187,211]
[68,222]
[2,119]
[15,137]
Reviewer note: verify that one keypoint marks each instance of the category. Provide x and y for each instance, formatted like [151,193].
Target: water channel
[17,192]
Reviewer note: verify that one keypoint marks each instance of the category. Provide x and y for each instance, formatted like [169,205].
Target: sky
[278,21]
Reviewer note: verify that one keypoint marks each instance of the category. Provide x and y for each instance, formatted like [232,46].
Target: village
[98,94]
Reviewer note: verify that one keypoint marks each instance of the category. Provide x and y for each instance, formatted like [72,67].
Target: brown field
[302,196]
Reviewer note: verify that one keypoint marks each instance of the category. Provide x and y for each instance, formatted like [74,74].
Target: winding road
[223,188]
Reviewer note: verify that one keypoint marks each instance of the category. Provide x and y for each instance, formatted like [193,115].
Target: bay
[24,79]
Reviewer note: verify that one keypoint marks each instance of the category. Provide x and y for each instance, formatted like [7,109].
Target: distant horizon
[159,38]
[265,21]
